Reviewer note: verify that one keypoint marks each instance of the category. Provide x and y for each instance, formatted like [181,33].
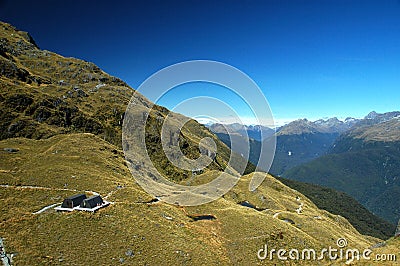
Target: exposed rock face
[44,94]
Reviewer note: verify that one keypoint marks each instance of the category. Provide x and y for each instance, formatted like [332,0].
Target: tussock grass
[157,233]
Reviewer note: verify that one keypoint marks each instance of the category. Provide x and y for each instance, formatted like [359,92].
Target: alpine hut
[92,202]
[73,201]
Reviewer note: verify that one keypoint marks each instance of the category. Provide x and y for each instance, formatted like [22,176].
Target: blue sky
[312,59]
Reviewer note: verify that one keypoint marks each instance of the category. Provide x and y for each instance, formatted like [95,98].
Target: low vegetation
[368,171]
[155,232]
[60,131]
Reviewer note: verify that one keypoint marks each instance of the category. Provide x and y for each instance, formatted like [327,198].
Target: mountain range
[297,142]
[302,141]
[363,162]
[256,132]
[356,156]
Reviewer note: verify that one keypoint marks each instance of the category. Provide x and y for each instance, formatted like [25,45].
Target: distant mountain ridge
[299,126]
[377,127]
[302,141]
[363,162]
[304,126]
[256,132]
[358,156]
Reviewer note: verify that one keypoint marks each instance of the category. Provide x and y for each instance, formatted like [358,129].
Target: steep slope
[363,163]
[136,231]
[337,202]
[44,94]
[52,149]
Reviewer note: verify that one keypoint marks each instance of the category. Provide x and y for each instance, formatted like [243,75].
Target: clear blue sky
[312,59]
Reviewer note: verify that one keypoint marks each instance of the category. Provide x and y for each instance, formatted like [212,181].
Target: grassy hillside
[44,94]
[43,172]
[369,172]
[328,199]
[61,135]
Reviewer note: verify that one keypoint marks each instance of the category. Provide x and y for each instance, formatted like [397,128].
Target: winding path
[46,208]
[298,210]
[59,189]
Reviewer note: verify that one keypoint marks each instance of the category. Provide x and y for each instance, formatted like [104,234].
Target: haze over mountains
[297,142]
[255,132]
[60,134]
[357,156]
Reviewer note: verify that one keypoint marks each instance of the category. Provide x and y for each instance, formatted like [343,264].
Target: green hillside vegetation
[337,202]
[291,150]
[44,94]
[191,135]
[296,149]
[302,147]
[368,170]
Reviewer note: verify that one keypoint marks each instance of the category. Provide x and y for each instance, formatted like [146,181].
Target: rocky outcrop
[46,94]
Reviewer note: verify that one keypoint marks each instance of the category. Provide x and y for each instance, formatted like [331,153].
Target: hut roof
[92,202]
[73,201]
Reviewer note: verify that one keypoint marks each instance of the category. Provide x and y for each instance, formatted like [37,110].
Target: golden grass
[158,234]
